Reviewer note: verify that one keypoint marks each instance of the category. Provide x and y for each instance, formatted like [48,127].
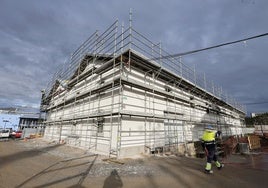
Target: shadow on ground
[113,181]
[25,154]
[54,174]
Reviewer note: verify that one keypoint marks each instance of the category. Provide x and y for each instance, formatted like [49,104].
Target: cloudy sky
[38,36]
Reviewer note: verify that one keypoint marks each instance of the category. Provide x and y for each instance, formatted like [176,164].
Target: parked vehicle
[4,133]
[16,134]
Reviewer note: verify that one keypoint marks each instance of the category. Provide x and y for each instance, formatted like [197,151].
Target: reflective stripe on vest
[208,136]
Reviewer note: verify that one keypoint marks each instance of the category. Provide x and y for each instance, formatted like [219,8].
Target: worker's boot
[208,169]
[219,165]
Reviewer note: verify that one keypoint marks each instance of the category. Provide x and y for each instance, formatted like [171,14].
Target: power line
[253,103]
[211,47]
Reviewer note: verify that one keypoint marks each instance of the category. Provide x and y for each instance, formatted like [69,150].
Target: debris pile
[244,144]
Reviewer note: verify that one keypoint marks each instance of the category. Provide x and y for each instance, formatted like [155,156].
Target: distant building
[30,121]
[257,114]
[9,110]
[31,125]
[19,118]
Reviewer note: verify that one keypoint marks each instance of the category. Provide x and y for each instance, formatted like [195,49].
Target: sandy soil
[37,163]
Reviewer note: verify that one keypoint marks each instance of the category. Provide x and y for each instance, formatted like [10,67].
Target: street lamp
[5,123]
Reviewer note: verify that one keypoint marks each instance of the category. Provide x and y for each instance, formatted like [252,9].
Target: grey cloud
[39,36]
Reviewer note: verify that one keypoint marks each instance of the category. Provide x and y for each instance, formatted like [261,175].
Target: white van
[4,133]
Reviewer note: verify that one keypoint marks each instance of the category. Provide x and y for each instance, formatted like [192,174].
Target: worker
[209,145]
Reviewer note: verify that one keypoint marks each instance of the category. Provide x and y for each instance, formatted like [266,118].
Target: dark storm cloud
[38,36]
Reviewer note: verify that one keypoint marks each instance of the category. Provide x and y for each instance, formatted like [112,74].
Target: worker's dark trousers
[211,148]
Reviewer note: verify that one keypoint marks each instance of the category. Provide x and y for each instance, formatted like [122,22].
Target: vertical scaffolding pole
[113,88]
[122,37]
[154,109]
[160,52]
[205,82]
[130,28]
[120,107]
[180,62]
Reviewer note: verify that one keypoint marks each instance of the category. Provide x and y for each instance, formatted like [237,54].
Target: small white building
[118,97]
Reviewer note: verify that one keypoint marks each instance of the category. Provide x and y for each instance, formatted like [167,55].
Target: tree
[261,119]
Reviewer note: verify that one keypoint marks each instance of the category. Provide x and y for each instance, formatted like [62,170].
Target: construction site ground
[38,163]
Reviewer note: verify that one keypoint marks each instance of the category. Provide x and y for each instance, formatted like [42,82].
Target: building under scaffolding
[118,97]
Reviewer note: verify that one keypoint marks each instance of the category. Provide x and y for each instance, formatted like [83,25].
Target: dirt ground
[37,163]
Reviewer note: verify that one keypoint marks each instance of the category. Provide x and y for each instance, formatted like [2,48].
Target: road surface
[37,163]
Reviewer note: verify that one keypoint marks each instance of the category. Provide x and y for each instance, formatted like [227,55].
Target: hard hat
[209,127]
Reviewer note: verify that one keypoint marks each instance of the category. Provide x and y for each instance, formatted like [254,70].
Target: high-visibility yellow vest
[208,136]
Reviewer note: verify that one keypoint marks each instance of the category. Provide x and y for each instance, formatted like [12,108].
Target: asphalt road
[36,163]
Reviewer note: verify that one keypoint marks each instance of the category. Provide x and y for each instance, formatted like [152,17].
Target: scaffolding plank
[254,142]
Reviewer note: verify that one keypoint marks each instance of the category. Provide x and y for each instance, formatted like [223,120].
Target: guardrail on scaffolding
[114,41]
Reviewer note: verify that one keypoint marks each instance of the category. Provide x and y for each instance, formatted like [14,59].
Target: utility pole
[5,123]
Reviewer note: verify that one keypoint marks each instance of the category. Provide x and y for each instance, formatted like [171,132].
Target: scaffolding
[116,96]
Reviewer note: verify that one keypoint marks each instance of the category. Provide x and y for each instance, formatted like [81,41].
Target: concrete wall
[261,129]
